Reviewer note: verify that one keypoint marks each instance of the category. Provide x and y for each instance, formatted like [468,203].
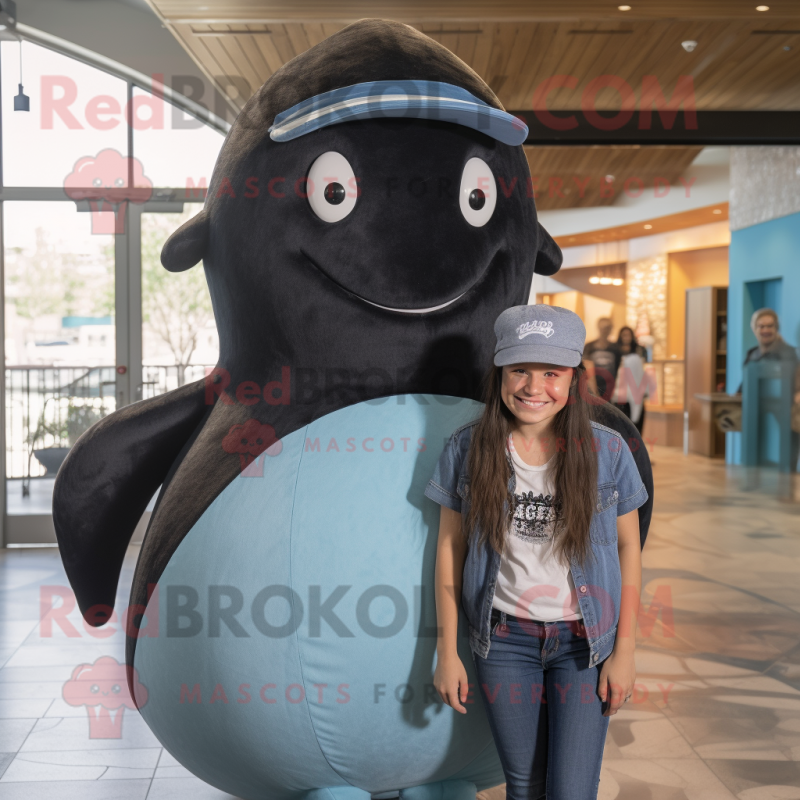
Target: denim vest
[598,584]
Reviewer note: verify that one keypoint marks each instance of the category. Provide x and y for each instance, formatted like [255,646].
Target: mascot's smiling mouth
[399,310]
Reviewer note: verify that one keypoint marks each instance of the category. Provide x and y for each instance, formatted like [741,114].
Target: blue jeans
[540,695]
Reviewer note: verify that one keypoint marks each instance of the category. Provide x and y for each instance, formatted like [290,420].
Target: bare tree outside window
[176,307]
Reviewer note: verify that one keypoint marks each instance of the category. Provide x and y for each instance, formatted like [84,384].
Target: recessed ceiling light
[617,281]
[605,281]
[762,8]
[609,178]
[647,227]
[624,8]
[594,279]
[717,210]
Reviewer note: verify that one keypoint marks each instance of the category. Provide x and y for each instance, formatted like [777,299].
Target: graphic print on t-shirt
[528,560]
[534,516]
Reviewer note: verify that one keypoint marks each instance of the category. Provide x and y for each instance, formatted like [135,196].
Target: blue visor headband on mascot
[404,99]
[282,615]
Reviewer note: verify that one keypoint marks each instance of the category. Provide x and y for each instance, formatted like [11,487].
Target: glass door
[89,190]
[92,322]
[60,348]
[179,336]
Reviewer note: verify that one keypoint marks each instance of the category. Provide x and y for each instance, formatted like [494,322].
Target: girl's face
[625,336]
[534,393]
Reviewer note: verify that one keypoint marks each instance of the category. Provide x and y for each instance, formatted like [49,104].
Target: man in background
[772,347]
[604,358]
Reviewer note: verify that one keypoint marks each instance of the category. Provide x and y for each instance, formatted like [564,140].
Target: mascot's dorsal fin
[106,482]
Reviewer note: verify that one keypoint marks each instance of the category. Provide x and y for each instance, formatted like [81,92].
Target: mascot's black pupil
[477,199]
[334,193]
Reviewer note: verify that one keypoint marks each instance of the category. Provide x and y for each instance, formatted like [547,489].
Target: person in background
[631,379]
[772,347]
[626,342]
[604,358]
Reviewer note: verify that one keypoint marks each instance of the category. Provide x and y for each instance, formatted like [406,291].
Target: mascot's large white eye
[478,194]
[332,187]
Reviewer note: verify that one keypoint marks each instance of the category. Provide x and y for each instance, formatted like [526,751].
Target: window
[78,341]
[176,157]
[76,111]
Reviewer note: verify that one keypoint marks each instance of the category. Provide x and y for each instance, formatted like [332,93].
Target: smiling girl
[539,543]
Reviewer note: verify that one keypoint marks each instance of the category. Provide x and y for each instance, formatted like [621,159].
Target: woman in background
[630,387]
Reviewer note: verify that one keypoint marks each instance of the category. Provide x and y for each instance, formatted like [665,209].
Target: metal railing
[48,408]
[161,379]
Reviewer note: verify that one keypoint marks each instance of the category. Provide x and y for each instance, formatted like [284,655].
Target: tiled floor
[716,714]
[38,501]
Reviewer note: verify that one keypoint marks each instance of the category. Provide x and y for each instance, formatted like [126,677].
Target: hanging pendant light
[612,277]
[21,102]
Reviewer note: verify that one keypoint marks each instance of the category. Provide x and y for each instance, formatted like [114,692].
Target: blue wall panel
[764,271]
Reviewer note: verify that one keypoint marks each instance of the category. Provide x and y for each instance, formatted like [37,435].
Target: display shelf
[706,365]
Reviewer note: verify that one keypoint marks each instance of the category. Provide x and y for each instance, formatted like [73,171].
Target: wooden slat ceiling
[732,68]
[582,177]
[470,10]
[740,63]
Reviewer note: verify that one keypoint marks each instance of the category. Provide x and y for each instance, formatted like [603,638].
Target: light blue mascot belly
[334,547]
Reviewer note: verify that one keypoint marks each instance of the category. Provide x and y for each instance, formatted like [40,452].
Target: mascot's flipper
[106,482]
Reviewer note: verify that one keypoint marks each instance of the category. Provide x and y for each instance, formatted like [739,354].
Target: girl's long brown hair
[573,470]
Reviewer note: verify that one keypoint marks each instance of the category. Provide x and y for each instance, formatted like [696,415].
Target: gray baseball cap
[539,333]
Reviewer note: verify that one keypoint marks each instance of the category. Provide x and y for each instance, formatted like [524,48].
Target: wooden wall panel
[690,269]
[699,366]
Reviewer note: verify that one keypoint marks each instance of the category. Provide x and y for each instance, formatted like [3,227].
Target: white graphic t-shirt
[532,582]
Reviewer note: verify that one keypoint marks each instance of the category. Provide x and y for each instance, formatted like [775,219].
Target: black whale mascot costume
[367,220]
